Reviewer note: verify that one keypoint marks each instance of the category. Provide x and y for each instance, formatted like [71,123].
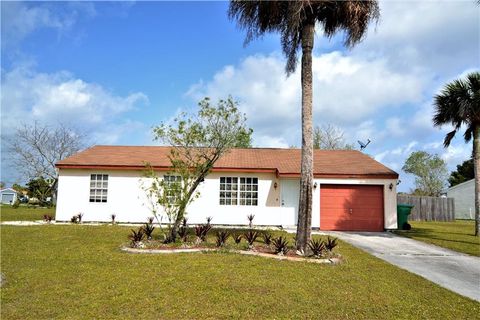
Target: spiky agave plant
[250,220]
[237,237]
[148,230]
[281,245]
[267,238]
[222,237]
[136,236]
[331,243]
[316,247]
[250,236]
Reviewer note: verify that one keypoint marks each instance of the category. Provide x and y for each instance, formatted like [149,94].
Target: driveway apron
[455,271]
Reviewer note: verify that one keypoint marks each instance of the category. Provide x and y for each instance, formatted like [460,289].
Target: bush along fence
[429,208]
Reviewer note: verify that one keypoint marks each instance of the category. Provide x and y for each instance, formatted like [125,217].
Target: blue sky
[115,69]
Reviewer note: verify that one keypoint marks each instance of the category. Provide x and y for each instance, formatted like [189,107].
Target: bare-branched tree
[35,148]
[329,137]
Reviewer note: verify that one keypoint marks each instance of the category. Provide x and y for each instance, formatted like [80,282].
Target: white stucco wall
[464,195]
[127,200]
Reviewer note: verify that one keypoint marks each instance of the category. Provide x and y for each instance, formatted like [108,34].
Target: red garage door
[351,207]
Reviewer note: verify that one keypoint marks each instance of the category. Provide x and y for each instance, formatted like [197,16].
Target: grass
[458,235]
[7,213]
[78,272]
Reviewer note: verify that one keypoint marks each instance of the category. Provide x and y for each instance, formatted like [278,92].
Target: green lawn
[78,272]
[457,235]
[7,213]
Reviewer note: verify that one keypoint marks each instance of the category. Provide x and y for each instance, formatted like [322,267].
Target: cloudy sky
[115,69]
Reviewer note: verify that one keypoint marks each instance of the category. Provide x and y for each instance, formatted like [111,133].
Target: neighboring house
[8,196]
[464,195]
[351,191]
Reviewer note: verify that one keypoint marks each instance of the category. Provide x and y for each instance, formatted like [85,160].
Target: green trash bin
[403,211]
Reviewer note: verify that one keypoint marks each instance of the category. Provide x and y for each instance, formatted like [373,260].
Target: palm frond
[288,18]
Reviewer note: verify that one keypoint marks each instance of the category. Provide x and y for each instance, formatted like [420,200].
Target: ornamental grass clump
[74,219]
[112,217]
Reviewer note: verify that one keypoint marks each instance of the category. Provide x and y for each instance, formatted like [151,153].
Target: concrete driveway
[452,270]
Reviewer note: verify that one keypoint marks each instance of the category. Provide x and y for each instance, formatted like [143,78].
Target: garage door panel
[351,207]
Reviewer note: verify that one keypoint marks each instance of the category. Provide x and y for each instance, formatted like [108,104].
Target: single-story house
[8,196]
[351,190]
[464,195]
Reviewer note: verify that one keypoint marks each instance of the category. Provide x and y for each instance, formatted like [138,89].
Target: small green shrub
[281,245]
[330,244]
[74,219]
[16,204]
[47,218]
[222,237]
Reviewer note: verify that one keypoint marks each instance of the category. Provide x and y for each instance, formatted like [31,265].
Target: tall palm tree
[458,104]
[295,21]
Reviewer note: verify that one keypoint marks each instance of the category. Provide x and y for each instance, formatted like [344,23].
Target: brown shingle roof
[285,162]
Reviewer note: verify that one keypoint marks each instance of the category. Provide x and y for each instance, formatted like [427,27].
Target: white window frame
[98,188]
[238,191]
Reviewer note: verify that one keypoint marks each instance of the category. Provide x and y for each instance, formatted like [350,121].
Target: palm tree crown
[459,104]
[289,17]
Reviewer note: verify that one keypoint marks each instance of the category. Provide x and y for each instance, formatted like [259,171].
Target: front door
[290,194]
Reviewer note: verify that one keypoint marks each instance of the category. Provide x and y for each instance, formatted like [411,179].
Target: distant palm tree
[459,104]
[295,21]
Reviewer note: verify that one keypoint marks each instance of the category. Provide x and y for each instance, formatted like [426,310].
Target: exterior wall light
[275,185]
[315,186]
[390,186]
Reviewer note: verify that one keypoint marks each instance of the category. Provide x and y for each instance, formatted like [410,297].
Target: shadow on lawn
[430,234]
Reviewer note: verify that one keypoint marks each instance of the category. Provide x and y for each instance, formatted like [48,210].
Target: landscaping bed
[252,241]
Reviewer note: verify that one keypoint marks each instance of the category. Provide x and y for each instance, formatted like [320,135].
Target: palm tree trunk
[476,166]
[306,179]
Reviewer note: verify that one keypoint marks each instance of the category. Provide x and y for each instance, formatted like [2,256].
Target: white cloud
[346,90]
[426,35]
[50,98]
[19,19]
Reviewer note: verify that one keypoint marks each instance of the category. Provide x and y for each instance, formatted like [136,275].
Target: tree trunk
[306,179]
[476,166]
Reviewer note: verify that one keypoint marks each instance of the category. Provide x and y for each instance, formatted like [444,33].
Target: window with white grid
[239,191]
[172,183]
[248,191]
[229,191]
[98,187]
